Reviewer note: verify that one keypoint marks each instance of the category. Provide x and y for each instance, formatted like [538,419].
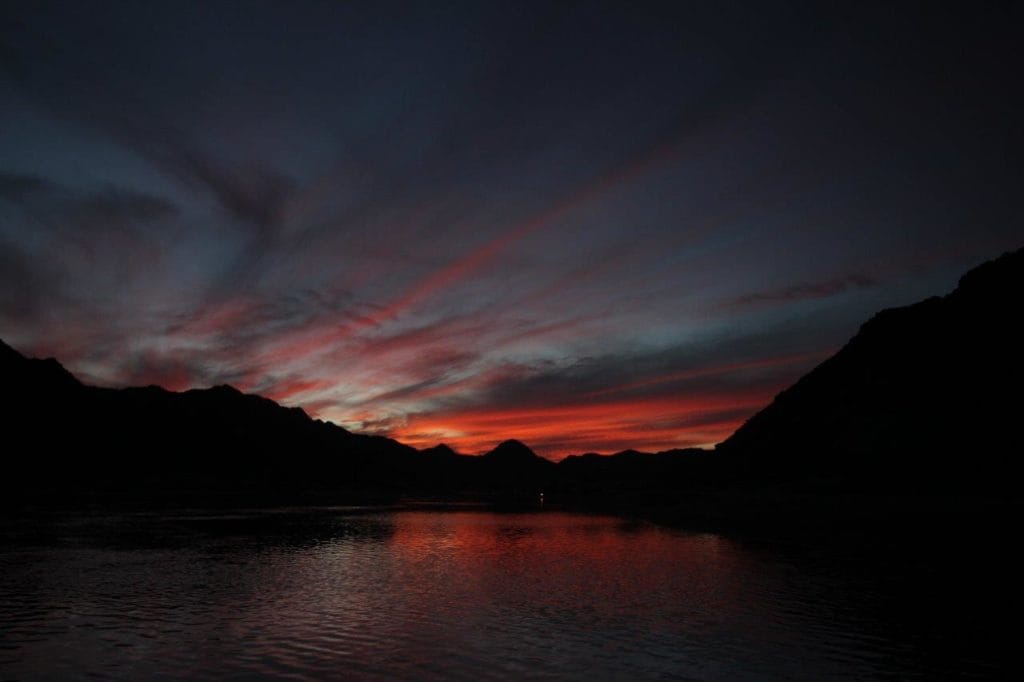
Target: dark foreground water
[473,595]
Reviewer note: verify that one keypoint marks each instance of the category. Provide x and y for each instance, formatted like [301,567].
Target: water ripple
[460,596]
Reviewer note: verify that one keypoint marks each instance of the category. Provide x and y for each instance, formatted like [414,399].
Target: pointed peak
[440,449]
[512,450]
[218,390]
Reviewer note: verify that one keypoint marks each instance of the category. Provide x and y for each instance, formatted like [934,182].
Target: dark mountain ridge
[70,439]
[923,396]
[923,399]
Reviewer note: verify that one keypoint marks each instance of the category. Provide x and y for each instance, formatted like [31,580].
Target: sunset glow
[589,229]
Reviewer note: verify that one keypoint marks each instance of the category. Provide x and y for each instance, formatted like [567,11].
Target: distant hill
[924,397]
[68,437]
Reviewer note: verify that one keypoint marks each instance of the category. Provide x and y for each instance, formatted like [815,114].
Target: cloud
[175,372]
[559,430]
[113,204]
[58,238]
[253,194]
[678,396]
[18,187]
[803,291]
[71,208]
[28,288]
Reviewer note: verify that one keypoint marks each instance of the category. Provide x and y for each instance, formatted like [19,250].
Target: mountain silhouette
[923,399]
[90,441]
[512,453]
[441,452]
[631,473]
[516,466]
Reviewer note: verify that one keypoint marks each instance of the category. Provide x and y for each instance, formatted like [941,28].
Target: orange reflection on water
[564,565]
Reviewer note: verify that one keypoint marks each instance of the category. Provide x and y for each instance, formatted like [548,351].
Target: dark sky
[588,226]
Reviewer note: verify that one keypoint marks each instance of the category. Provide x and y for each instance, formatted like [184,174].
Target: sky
[589,226]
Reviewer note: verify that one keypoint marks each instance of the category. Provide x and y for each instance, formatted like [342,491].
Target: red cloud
[560,430]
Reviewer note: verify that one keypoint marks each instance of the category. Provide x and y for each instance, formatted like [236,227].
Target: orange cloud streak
[286,391]
[560,430]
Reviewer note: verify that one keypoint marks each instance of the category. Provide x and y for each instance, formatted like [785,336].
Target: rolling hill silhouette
[923,399]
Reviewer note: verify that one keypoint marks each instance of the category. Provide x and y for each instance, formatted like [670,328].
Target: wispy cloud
[18,186]
[802,291]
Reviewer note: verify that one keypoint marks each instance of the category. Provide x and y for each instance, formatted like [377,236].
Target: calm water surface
[357,594]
